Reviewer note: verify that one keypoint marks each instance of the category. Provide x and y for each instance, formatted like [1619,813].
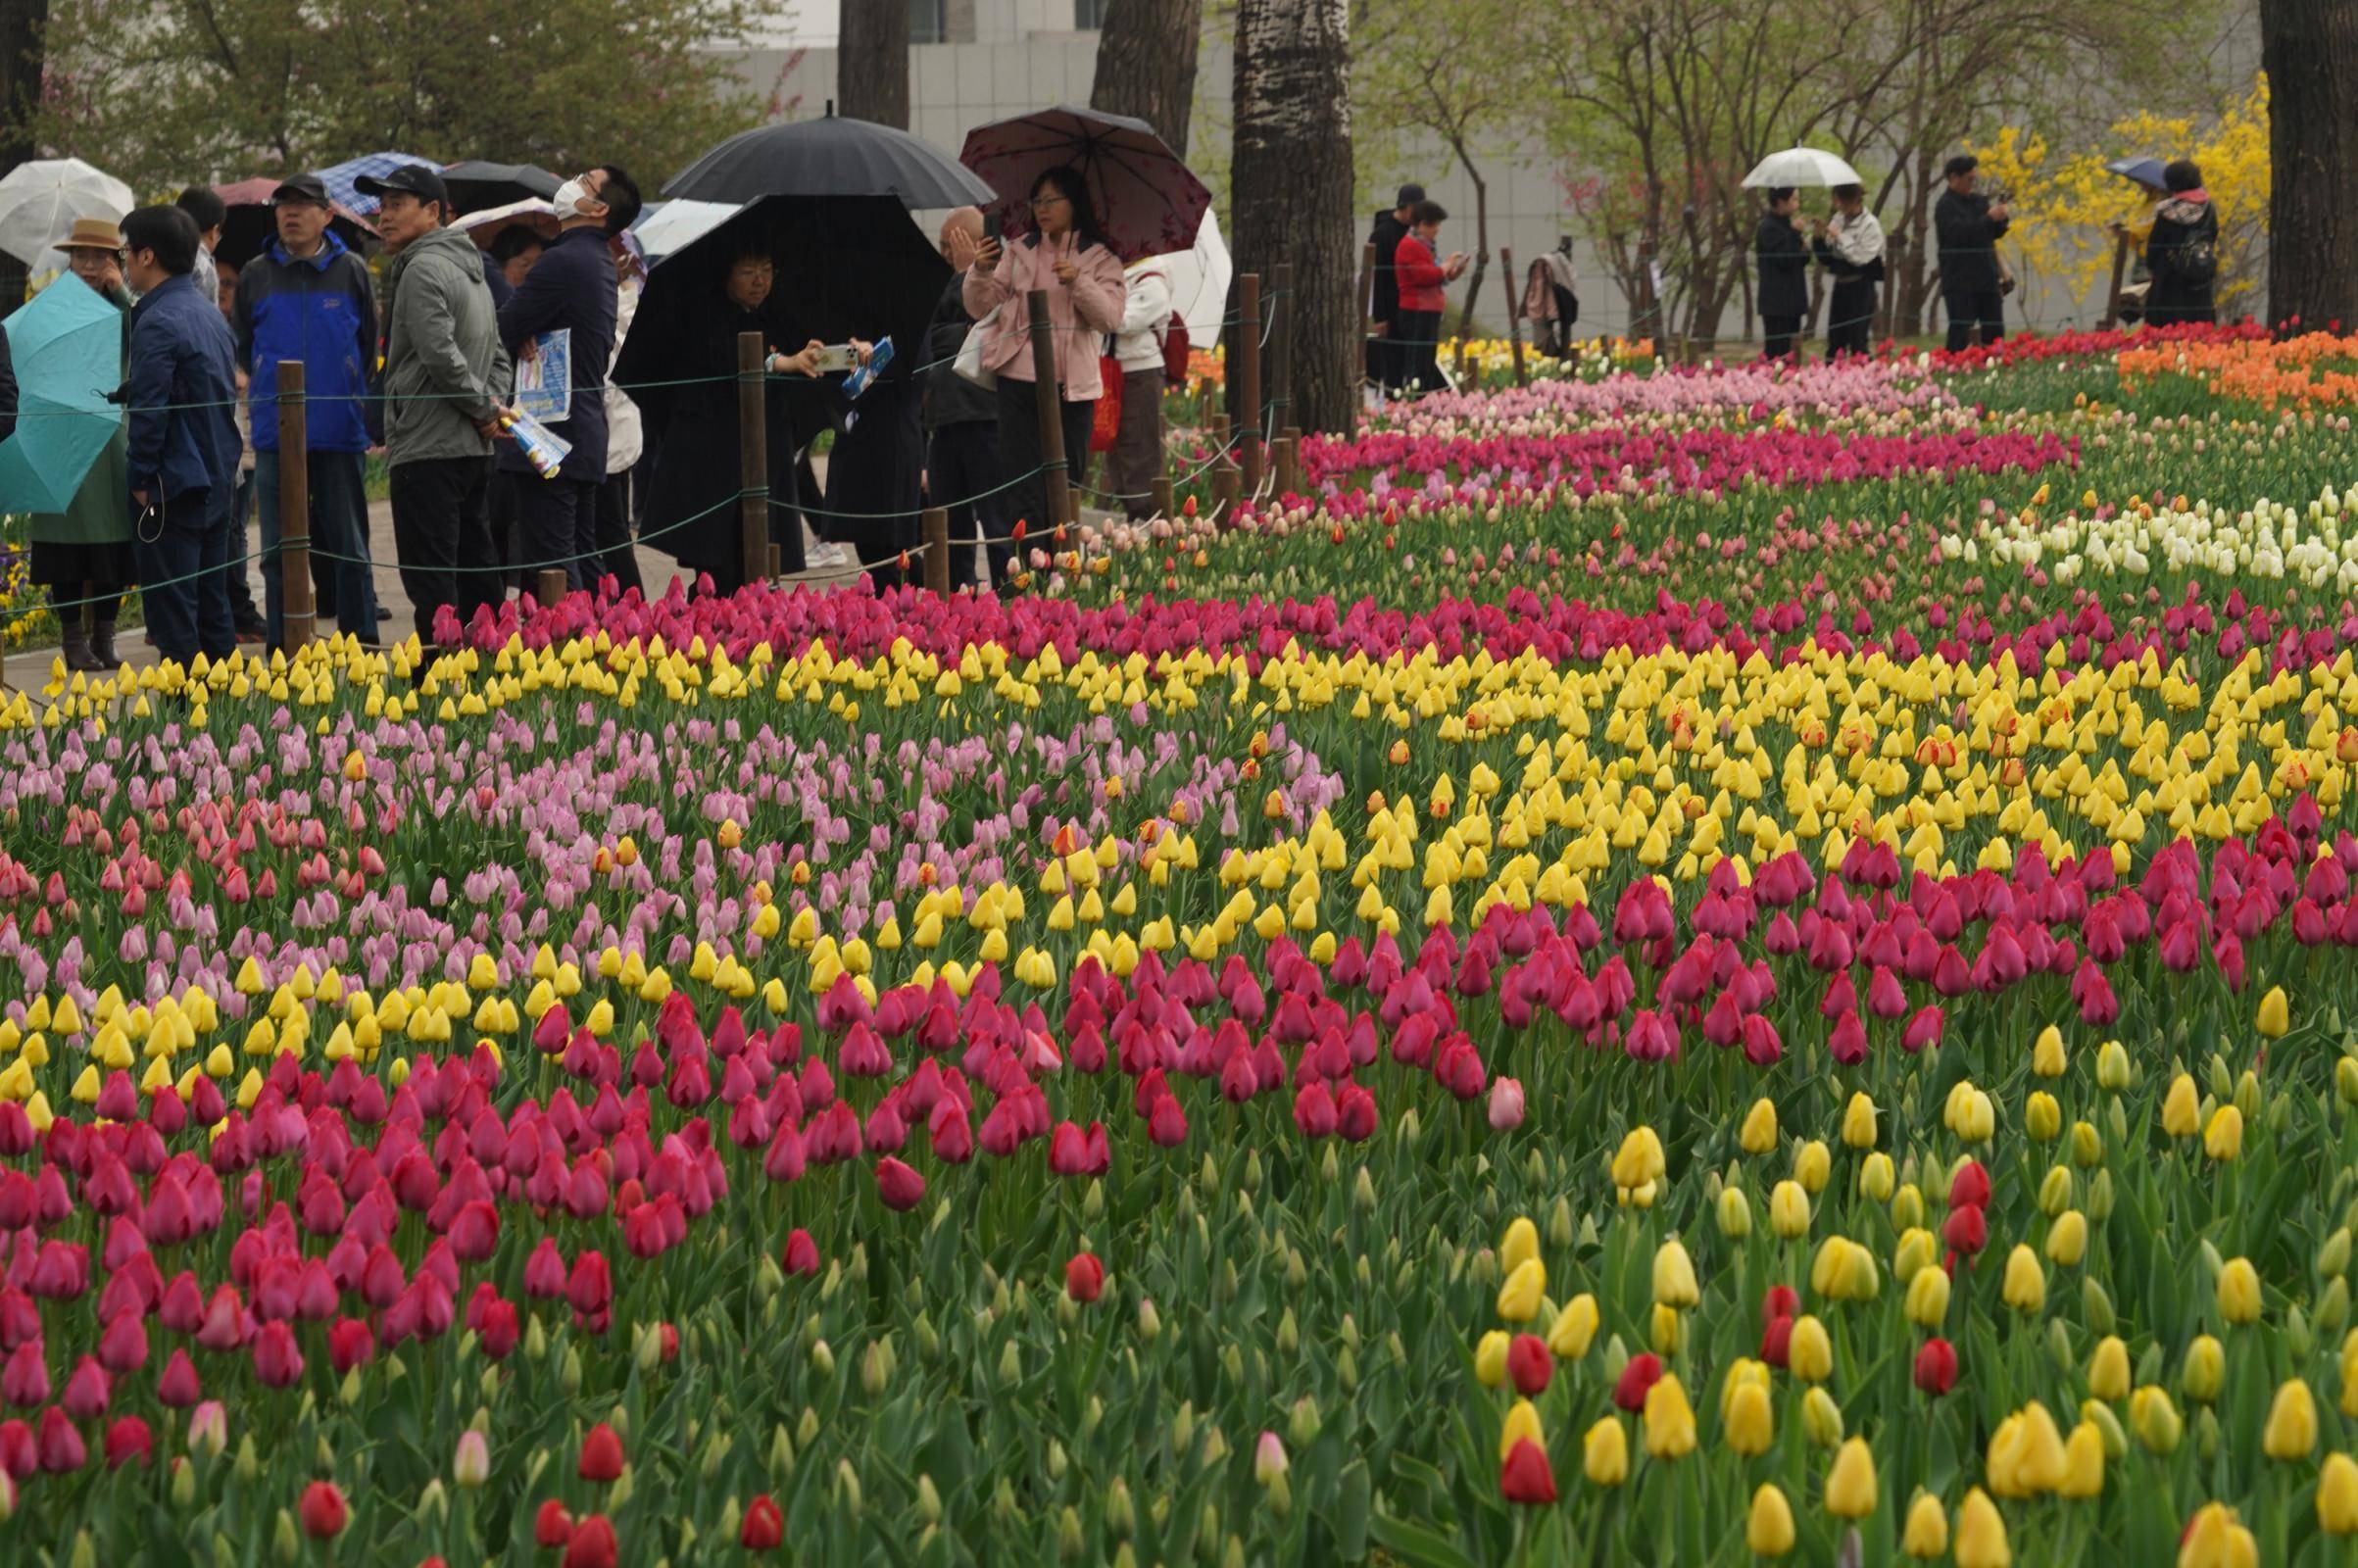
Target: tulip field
[1670,966]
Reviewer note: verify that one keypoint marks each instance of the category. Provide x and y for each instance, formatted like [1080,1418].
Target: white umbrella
[532,211]
[1801,165]
[669,226]
[41,200]
[1200,279]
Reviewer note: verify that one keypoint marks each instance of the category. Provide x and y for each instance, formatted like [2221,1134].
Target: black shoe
[383,615]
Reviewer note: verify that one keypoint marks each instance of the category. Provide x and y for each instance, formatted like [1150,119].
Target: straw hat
[92,234]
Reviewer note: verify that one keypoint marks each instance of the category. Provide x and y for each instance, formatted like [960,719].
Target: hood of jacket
[2186,206]
[446,244]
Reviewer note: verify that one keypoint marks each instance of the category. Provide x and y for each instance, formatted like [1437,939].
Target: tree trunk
[871,62]
[1291,188]
[1146,64]
[2309,49]
[1473,287]
[22,58]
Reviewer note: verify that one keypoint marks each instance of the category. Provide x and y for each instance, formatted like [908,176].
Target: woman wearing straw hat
[83,555]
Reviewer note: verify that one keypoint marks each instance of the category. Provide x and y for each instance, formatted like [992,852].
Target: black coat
[1784,267]
[949,398]
[1968,243]
[2183,256]
[571,288]
[873,474]
[1386,236]
[693,428]
[8,390]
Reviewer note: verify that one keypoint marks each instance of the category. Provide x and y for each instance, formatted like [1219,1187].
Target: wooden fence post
[294,511]
[936,524]
[2112,295]
[1167,497]
[1054,459]
[753,460]
[549,585]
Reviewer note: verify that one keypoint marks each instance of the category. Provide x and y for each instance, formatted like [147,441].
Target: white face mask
[569,197]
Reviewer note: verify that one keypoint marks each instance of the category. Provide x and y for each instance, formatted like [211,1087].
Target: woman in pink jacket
[1066,255]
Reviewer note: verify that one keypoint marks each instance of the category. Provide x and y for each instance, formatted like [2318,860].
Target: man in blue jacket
[182,395]
[308,297]
[571,289]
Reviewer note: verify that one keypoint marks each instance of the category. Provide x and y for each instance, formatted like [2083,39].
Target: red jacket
[1420,278]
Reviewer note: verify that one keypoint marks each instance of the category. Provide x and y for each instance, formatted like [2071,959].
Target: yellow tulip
[1927,1533]
[1876,1176]
[1669,1419]
[2026,1284]
[1519,1297]
[2154,1419]
[2026,1453]
[2240,1290]
[1674,1275]
[1604,1452]
[1788,1210]
[1522,1422]
[1665,1332]
[1858,1122]
[2108,1369]
[1812,1165]
[1809,1353]
[1759,1133]
[2082,1462]
[1927,1298]
[1749,1420]
[2067,1239]
[1768,1530]
[2215,1539]
[1520,1243]
[2205,1368]
[2273,1020]
[1638,1160]
[1851,1491]
[1574,1328]
[1820,1418]
[2337,1495]
[1490,1358]
[2046,1052]
[2292,1430]
[2182,1108]
[1981,1533]
[2223,1139]
[1917,1248]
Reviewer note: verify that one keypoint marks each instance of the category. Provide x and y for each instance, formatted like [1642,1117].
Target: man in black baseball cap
[415,179]
[296,190]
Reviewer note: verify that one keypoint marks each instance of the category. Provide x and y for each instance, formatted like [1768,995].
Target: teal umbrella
[67,343]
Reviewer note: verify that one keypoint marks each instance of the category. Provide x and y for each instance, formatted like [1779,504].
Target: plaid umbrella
[1148,202]
[338,177]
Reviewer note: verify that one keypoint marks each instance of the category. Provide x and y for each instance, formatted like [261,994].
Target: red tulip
[128,1439]
[60,1442]
[351,1343]
[1526,1476]
[321,1510]
[544,1271]
[898,1185]
[802,1253]
[179,1386]
[552,1526]
[277,1361]
[1970,1186]
[764,1527]
[1644,1371]
[474,1234]
[1779,1302]
[593,1545]
[600,1453]
[1084,1278]
[1529,1364]
[1935,1367]
[1965,1230]
[1775,1337]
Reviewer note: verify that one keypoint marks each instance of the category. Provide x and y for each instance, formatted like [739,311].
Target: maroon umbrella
[1147,201]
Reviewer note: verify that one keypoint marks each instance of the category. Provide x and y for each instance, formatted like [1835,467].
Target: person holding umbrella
[1784,261]
[2182,251]
[83,555]
[1065,255]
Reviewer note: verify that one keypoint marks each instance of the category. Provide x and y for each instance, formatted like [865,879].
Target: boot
[76,637]
[101,643]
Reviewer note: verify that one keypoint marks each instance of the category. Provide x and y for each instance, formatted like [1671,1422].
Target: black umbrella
[475,184]
[845,267]
[1147,201]
[251,224]
[831,157]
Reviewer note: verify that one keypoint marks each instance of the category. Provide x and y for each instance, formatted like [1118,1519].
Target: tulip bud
[2297,1339]
[2154,1420]
[1875,1177]
[1302,1426]
[247,1466]
[568,1374]
[1907,1207]
[1926,1535]
[1070,1544]
[2113,1071]
[2333,1306]
[930,1500]
[2055,1192]
[1735,1214]
[2041,1117]
[283,1541]
[183,1487]
[1820,1418]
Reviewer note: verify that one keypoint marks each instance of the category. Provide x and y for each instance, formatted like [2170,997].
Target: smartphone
[836,358]
[991,225]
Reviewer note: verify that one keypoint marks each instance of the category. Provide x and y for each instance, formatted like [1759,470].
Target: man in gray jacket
[445,376]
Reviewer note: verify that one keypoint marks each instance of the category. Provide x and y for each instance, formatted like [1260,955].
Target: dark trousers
[961,463]
[1136,461]
[442,537]
[1019,451]
[618,557]
[559,526]
[180,570]
[1850,318]
[1777,334]
[1384,357]
[242,609]
[1417,342]
[1967,306]
[339,541]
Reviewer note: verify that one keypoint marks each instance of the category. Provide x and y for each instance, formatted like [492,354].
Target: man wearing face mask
[571,289]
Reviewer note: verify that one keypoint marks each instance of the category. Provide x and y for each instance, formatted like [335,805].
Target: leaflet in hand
[541,446]
[544,383]
[878,358]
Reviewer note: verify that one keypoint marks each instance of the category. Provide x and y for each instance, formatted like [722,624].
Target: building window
[1089,15]
[928,21]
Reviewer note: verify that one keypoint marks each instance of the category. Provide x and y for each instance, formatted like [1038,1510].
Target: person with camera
[1783,257]
[1969,225]
[2183,250]
[1420,273]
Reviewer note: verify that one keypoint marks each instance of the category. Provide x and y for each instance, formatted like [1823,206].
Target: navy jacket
[496,281]
[571,288]
[321,311]
[1968,238]
[182,393]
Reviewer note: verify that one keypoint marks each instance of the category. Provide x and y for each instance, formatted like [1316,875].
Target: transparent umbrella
[41,200]
[1800,165]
